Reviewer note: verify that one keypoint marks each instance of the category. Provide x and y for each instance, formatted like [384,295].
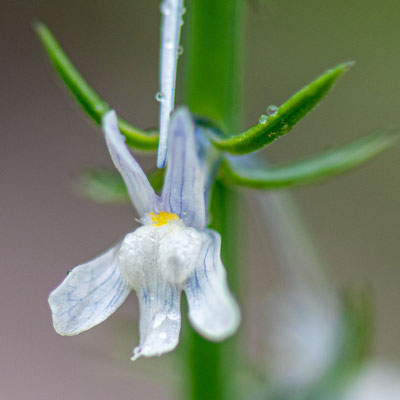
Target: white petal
[184,186]
[89,294]
[159,299]
[213,310]
[170,33]
[139,188]
[160,319]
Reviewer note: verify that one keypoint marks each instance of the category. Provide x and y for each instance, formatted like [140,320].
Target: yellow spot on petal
[163,218]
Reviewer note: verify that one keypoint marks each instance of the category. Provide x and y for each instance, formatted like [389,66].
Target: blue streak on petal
[159,333]
[213,310]
[89,294]
[183,192]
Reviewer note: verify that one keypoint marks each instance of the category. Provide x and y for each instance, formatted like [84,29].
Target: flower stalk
[212,65]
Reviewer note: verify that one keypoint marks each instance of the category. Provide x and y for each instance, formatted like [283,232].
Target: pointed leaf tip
[285,117]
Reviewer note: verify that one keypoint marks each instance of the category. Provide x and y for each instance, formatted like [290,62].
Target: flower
[171,252]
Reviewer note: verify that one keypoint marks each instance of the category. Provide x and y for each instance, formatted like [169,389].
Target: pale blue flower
[171,252]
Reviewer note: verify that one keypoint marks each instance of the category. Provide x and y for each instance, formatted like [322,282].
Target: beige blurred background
[46,228]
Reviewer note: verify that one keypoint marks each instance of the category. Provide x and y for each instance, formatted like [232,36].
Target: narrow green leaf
[88,99]
[102,186]
[107,186]
[310,169]
[285,118]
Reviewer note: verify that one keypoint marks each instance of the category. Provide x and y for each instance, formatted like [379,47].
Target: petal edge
[213,311]
[89,294]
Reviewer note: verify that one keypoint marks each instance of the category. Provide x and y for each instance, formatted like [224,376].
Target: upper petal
[170,32]
[89,294]
[184,186]
[139,188]
[213,311]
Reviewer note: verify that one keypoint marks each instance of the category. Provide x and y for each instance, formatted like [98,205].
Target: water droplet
[169,44]
[162,335]
[180,50]
[160,96]
[272,110]
[158,319]
[165,7]
[263,119]
[173,315]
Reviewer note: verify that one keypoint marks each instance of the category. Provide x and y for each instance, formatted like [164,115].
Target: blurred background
[46,228]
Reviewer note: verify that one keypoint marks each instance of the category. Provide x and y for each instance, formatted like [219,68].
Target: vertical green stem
[213,90]
[213,60]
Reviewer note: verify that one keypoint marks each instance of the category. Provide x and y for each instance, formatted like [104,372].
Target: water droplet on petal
[173,315]
[162,335]
[263,119]
[272,110]
[158,319]
[180,50]
[160,96]
[165,7]
[169,44]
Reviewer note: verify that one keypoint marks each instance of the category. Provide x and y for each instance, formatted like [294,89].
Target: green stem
[213,90]
[213,60]
[213,366]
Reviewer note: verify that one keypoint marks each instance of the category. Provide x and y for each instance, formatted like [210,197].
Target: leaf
[286,117]
[87,98]
[107,186]
[310,169]
[102,186]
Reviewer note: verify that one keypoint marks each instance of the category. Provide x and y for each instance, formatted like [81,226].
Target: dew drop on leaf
[272,110]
